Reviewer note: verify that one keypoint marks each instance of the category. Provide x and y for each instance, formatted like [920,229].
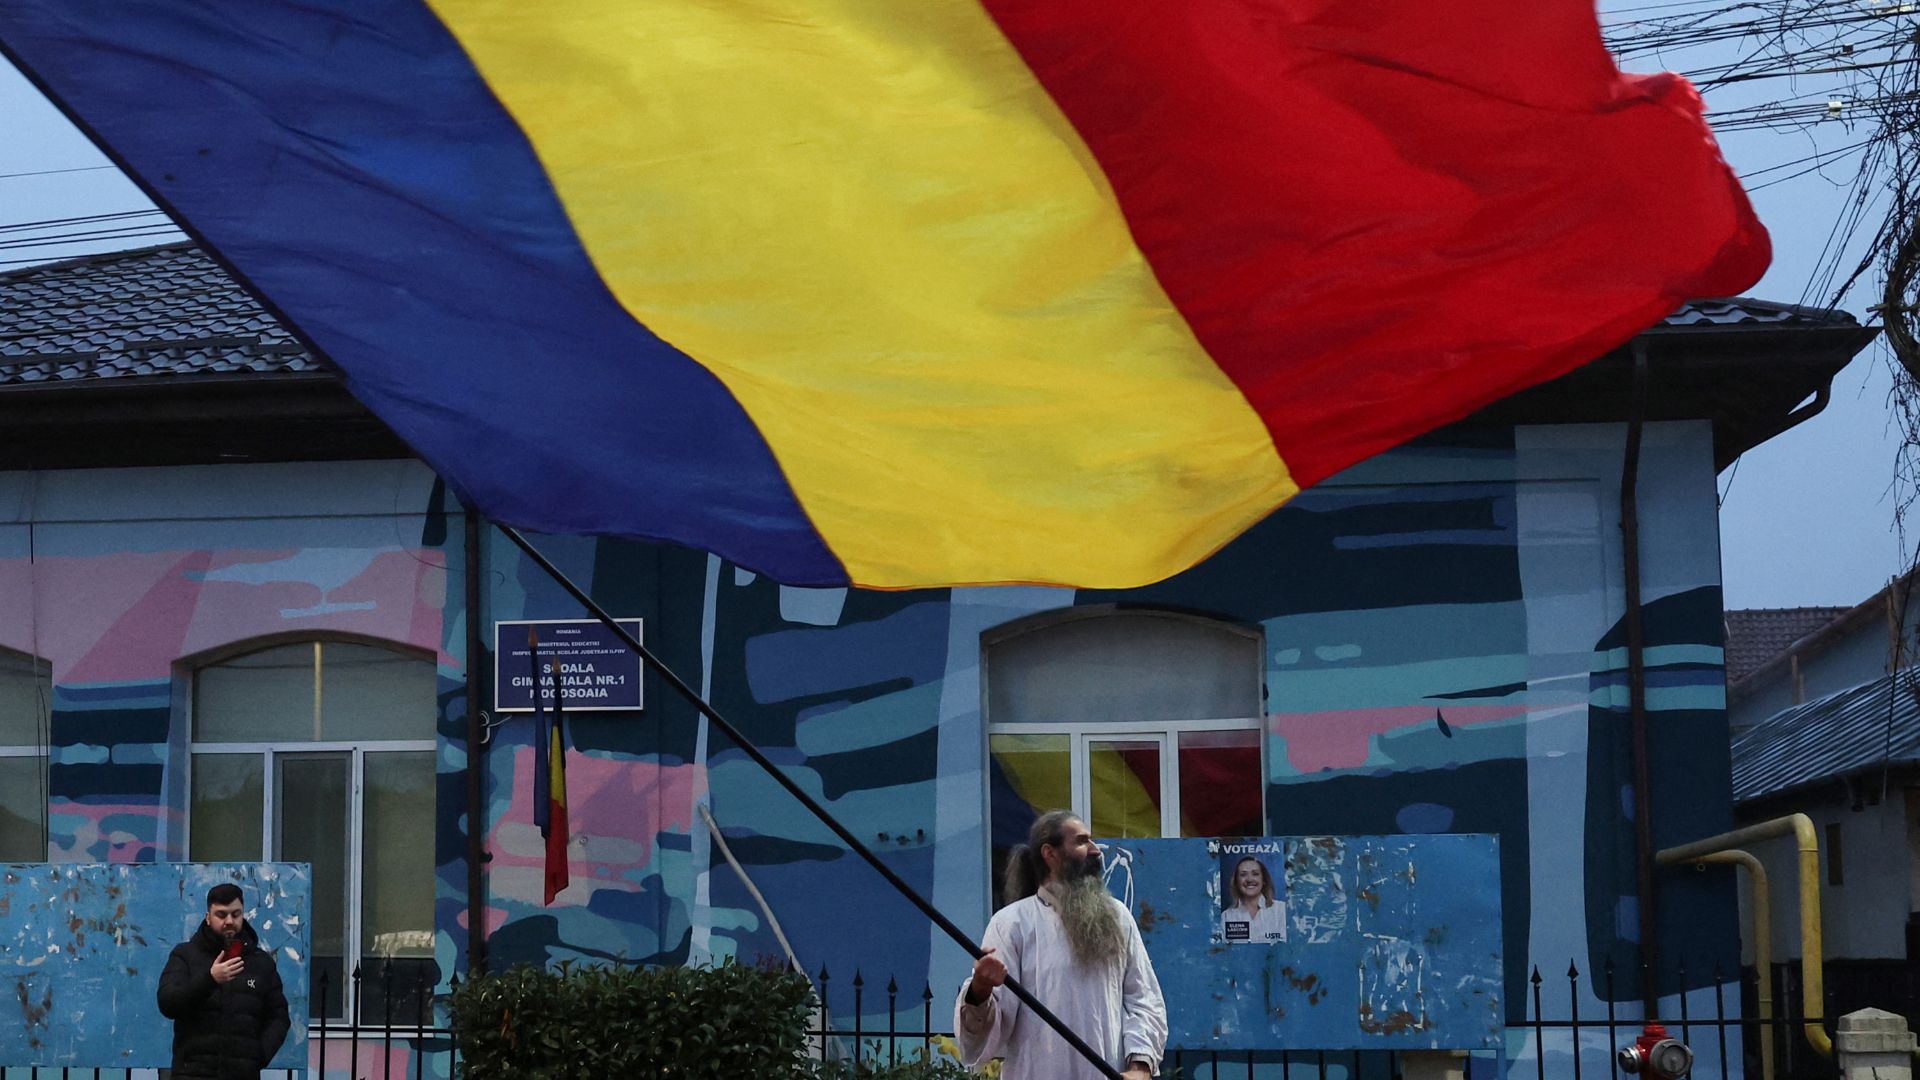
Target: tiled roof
[171,311]
[162,311]
[1843,733]
[1757,635]
[1736,310]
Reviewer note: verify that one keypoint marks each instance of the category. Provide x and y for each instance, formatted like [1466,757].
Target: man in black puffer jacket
[223,994]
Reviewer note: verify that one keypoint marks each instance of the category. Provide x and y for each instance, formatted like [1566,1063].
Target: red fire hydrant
[1657,1054]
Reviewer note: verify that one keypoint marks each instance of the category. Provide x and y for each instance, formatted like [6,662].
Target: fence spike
[927,994]
[892,987]
[1573,971]
[1535,978]
[857,981]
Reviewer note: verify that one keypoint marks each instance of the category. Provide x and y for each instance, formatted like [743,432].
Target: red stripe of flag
[1362,208]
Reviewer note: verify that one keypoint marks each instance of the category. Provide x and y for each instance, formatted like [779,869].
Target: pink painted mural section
[1342,738]
[368,1057]
[78,832]
[129,617]
[616,808]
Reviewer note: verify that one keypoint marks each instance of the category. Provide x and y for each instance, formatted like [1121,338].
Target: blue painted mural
[82,946]
[1439,650]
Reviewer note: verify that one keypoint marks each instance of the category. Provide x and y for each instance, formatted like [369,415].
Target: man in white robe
[1078,950]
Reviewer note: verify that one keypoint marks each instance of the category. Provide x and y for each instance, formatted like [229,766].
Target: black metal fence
[879,1027]
[422,1045]
[1718,1021]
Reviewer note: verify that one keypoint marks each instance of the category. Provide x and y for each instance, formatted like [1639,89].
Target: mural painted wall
[1442,653]
[118,578]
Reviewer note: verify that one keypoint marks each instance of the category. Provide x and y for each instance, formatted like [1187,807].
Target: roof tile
[164,311]
[1872,725]
[1757,635]
[111,303]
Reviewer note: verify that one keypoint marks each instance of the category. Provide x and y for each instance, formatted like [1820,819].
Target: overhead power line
[55,172]
[83,219]
[70,239]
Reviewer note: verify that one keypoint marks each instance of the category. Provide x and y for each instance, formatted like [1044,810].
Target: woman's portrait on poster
[1253,906]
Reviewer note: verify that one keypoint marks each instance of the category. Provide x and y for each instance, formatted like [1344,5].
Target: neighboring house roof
[1738,310]
[157,356]
[171,310]
[1878,609]
[160,311]
[1852,731]
[1757,635]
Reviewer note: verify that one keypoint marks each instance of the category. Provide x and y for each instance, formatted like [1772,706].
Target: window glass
[1134,666]
[396,891]
[24,692]
[1220,783]
[397,855]
[310,826]
[369,693]
[262,697]
[1029,775]
[224,821]
[23,804]
[1135,720]
[1124,787]
[256,719]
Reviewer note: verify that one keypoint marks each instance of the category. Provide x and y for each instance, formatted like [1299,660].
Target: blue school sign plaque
[598,672]
[1330,942]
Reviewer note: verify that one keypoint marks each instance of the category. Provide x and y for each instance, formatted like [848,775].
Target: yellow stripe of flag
[870,221]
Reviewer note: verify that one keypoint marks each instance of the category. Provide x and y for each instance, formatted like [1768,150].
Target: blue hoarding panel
[82,946]
[1320,942]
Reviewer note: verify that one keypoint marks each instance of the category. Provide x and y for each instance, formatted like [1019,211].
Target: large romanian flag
[914,292]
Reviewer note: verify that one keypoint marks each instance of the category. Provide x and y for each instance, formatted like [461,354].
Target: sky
[1806,519]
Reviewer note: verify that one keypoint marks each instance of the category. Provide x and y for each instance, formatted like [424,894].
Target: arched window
[26,696]
[322,752]
[1145,723]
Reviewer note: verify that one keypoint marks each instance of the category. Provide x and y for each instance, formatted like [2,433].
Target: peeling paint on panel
[1316,889]
[1415,964]
[100,933]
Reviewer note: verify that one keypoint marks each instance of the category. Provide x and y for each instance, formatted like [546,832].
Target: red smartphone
[232,951]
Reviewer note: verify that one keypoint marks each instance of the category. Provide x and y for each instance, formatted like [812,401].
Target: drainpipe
[1637,688]
[476,754]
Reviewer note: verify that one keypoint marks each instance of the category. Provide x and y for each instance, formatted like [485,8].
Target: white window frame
[357,752]
[42,750]
[1166,732]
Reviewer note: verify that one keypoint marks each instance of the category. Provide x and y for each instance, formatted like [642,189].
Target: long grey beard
[1093,926]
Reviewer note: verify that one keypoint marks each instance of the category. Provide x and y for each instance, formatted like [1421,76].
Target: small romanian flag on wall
[915,292]
[549,771]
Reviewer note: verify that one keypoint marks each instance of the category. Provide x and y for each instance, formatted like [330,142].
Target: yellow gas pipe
[1761,931]
[1812,952]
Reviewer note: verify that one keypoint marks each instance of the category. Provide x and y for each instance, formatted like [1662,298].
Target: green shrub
[576,1023]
